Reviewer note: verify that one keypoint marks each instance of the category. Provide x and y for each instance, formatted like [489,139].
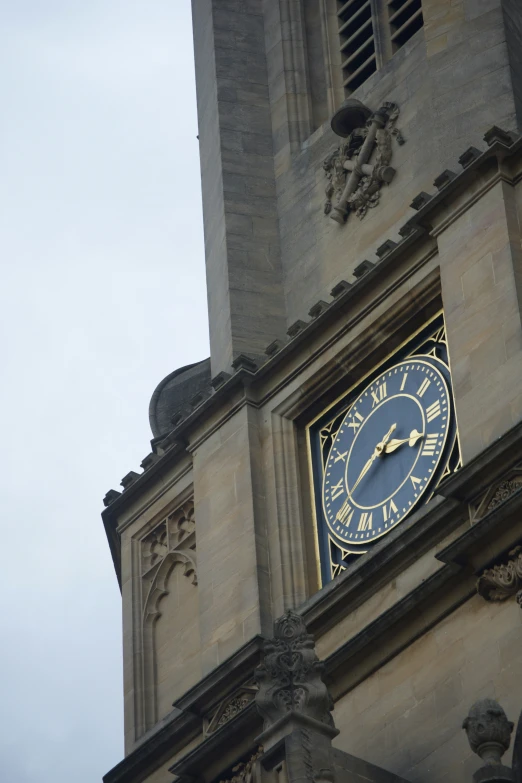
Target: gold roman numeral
[415,481]
[356,421]
[422,388]
[403,384]
[337,490]
[379,394]
[430,444]
[433,410]
[365,522]
[341,456]
[345,514]
[389,511]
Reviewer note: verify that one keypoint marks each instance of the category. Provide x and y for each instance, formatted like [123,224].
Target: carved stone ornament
[503,580]
[488,730]
[244,771]
[497,494]
[360,166]
[231,707]
[173,539]
[489,735]
[290,678]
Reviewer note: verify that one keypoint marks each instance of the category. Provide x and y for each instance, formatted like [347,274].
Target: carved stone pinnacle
[489,735]
[290,677]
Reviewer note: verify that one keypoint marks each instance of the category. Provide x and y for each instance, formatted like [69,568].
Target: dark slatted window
[357,42]
[371,31]
[405,18]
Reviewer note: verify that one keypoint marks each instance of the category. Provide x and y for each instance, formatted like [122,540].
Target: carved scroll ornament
[354,180]
[503,580]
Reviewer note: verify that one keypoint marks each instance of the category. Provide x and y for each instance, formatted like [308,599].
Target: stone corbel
[504,580]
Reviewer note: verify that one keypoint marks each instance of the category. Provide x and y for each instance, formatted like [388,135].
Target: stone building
[348,462]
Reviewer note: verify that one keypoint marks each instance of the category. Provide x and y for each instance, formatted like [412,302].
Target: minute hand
[411,441]
[376,453]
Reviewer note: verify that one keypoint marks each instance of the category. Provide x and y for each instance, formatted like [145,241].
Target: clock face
[386,453]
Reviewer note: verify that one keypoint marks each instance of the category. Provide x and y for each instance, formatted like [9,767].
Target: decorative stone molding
[497,493]
[489,735]
[290,678]
[231,707]
[244,772]
[174,535]
[354,182]
[503,580]
[171,543]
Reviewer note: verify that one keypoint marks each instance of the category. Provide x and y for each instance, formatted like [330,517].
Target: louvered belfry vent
[370,32]
[405,18]
[356,32]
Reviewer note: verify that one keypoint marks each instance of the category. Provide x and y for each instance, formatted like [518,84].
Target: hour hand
[411,441]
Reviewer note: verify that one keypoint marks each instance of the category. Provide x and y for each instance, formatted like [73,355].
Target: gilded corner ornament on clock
[380,451]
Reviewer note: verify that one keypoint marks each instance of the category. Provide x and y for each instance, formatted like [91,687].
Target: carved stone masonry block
[489,735]
[503,580]
[360,166]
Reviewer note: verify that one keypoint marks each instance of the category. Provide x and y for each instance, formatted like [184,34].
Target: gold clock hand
[411,441]
[364,471]
[377,453]
[380,446]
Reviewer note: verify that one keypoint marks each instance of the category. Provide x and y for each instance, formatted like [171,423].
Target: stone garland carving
[231,707]
[244,771]
[503,580]
[290,678]
[489,735]
[353,181]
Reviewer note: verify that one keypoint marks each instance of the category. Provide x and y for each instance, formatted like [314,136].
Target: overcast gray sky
[102,294]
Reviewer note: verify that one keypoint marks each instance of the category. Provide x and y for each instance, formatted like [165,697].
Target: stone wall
[408,715]
[271,252]
[452,81]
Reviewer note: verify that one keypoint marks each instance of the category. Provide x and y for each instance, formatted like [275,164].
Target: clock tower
[320,555]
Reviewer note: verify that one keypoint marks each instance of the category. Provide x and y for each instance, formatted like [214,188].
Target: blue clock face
[386,452]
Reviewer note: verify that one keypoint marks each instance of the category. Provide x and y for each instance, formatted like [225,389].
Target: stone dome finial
[488,730]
